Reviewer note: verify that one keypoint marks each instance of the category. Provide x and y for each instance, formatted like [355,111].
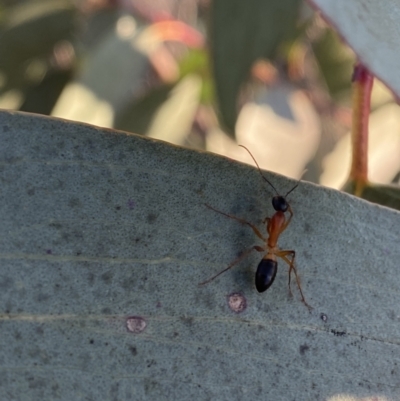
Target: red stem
[362,87]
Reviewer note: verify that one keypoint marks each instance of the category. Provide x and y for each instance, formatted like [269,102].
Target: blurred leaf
[42,98]
[385,195]
[371,29]
[30,31]
[173,120]
[281,118]
[336,64]
[197,61]
[112,74]
[137,116]
[240,33]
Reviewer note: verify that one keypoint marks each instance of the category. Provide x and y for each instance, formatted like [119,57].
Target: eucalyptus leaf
[104,237]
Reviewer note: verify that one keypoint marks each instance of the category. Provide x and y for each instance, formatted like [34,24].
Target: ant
[267,268]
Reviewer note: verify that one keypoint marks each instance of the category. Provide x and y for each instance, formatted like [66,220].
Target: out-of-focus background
[154,68]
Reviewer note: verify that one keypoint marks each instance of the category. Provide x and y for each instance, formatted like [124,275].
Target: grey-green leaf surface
[104,238]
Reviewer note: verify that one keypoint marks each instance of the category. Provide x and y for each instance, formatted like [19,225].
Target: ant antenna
[255,161]
[293,188]
[297,184]
[259,170]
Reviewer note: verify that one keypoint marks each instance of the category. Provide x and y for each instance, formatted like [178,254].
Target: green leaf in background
[42,98]
[197,61]
[336,63]
[138,115]
[240,33]
[29,32]
[385,195]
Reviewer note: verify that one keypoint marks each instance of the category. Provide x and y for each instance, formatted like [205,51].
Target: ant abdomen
[266,273]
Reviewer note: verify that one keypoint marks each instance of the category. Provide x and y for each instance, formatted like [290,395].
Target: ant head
[279,203]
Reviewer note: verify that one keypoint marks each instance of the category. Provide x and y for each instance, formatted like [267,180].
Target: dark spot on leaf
[338,333]
[307,227]
[55,225]
[74,202]
[90,278]
[39,330]
[107,277]
[151,218]
[304,348]
[5,282]
[42,297]
[151,362]
[128,283]
[188,321]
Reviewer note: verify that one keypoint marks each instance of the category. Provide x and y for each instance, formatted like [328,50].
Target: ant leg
[283,255]
[287,222]
[237,260]
[254,228]
[266,220]
[291,254]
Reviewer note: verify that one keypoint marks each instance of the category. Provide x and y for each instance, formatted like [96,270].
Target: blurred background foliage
[270,75]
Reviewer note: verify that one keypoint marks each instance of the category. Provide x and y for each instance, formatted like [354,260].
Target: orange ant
[267,268]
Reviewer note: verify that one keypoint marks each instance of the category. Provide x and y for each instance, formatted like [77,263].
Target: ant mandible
[267,268]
